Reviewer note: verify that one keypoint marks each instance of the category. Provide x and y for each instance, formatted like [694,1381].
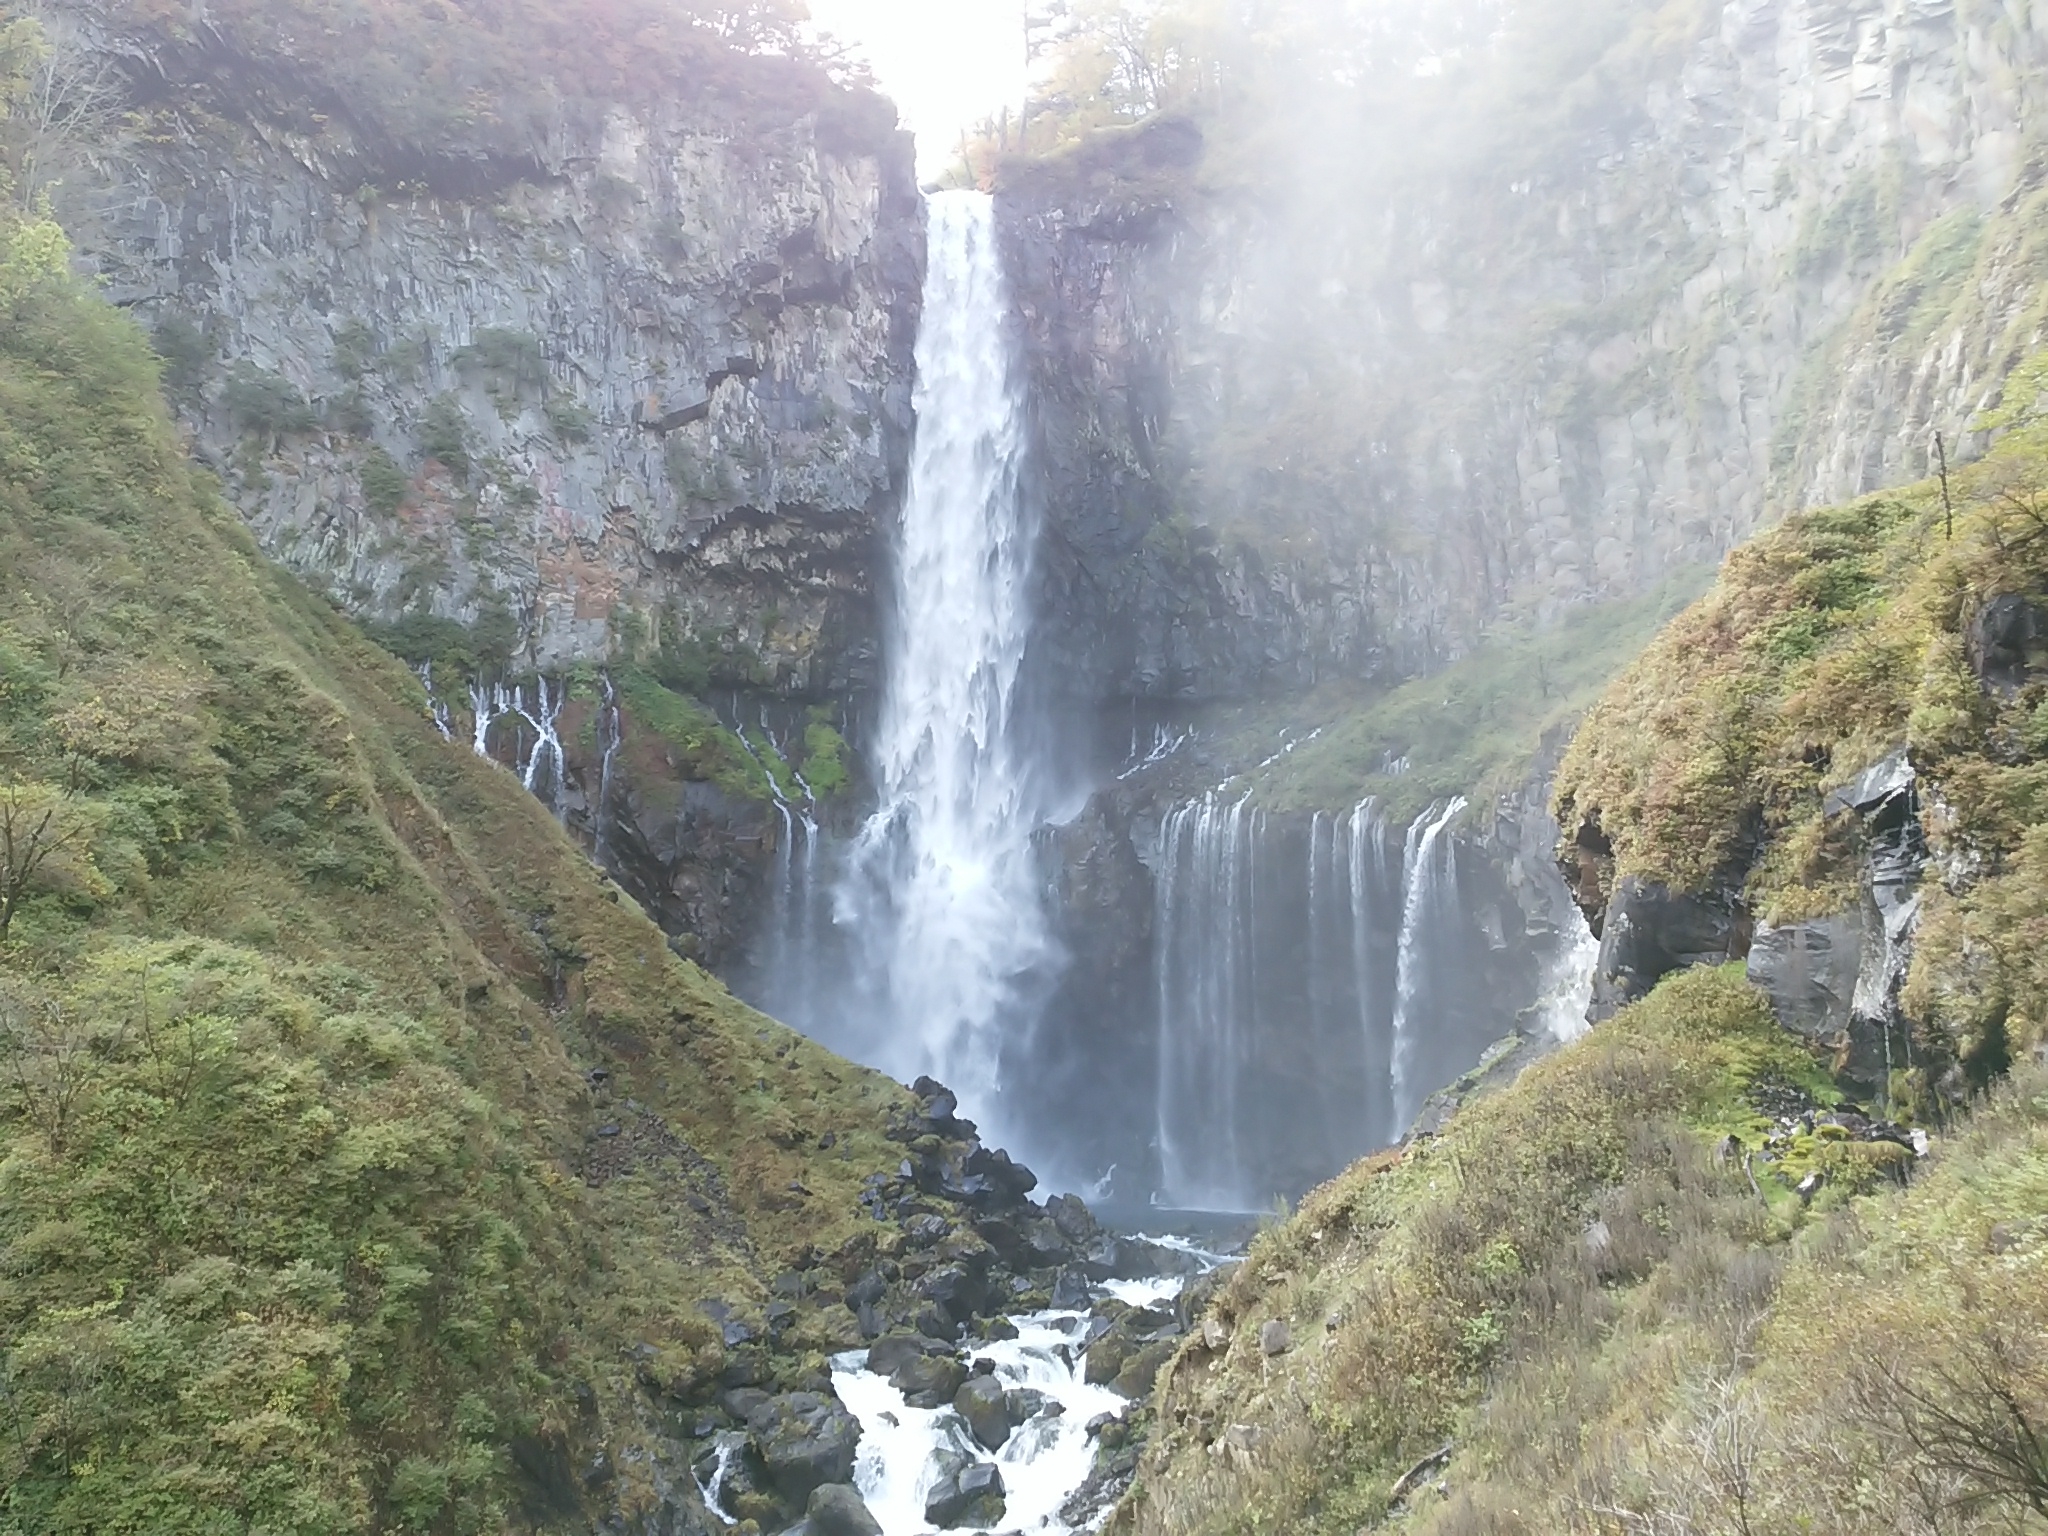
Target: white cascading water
[941,896]
[1366,872]
[1429,879]
[1203,945]
[1231,894]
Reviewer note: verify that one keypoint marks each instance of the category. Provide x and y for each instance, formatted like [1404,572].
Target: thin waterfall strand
[1428,880]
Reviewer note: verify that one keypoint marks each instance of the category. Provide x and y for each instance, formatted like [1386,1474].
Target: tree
[37,822]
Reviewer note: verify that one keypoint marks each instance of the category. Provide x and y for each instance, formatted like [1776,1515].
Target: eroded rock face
[654,375]
[1283,434]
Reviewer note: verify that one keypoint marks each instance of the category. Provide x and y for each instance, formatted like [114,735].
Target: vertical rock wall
[651,376]
[1288,430]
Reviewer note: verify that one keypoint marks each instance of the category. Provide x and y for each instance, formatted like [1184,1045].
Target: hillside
[366,1160]
[1689,1274]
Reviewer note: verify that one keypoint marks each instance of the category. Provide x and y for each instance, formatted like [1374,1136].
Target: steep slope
[1694,1272]
[366,1160]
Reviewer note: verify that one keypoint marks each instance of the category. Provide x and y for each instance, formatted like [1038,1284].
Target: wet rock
[981,1403]
[926,1230]
[889,1355]
[998,1329]
[953,1287]
[929,1381]
[804,1440]
[1070,1291]
[1649,931]
[2007,641]
[869,1289]
[741,1402]
[974,1496]
[1071,1216]
[837,1509]
[935,1322]
[1141,1369]
[1025,1403]
[1808,970]
[1199,1294]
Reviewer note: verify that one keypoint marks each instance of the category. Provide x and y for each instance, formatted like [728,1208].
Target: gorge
[1407,639]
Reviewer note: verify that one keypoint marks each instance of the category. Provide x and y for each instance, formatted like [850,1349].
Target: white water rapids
[941,898]
[1042,1463]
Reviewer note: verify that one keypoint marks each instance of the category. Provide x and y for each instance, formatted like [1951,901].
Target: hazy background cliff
[1355,330]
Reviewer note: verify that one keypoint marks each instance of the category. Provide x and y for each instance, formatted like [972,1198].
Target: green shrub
[384,483]
[355,350]
[444,435]
[264,402]
[189,357]
[569,419]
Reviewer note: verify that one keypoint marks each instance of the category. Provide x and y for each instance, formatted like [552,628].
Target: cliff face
[1499,356]
[647,378]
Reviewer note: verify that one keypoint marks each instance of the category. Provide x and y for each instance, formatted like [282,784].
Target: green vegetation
[698,747]
[458,81]
[384,483]
[455,650]
[265,404]
[309,1022]
[444,435]
[1827,644]
[1474,727]
[825,756]
[1582,1309]
[570,420]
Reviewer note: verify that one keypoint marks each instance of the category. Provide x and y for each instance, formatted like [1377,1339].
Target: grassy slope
[1473,727]
[1825,645]
[304,1221]
[1610,1329]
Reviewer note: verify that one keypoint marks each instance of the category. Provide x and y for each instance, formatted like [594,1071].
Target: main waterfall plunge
[1294,986]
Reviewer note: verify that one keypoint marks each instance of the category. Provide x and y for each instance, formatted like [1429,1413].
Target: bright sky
[947,64]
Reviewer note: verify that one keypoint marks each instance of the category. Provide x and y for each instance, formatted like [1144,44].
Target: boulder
[1025,1403]
[1808,970]
[837,1509]
[1275,1337]
[980,1401]
[972,1496]
[2007,641]
[1070,1291]
[887,1356]
[1141,1368]
[930,1381]
[1650,930]
[804,1440]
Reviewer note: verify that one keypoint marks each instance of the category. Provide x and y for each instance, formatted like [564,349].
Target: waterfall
[542,768]
[1308,991]
[1366,873]
[1205,1005]
[610,733]
[1429,875]
[941,898]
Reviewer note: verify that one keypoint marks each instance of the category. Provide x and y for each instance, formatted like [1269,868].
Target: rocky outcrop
[646,381]
[1837,978]
[1338,422]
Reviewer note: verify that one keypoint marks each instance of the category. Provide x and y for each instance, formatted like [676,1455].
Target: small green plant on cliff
[569,419]
[444,435]
[264,403]
[384,483]
[703,749]
[825,750]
